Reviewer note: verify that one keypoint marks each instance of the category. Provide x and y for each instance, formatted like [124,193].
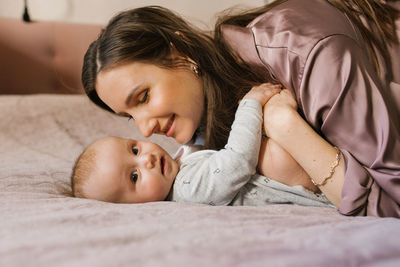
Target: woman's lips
[171,126]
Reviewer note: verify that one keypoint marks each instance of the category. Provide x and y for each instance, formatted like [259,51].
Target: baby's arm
[215,177]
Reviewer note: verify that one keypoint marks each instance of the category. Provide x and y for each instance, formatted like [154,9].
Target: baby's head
[121,170]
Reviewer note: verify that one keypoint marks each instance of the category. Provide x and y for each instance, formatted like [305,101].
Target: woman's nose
[146,126]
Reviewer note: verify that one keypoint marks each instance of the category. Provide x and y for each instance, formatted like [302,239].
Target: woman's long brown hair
[145,35]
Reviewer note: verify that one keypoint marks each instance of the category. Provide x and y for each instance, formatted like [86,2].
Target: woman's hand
[263,92]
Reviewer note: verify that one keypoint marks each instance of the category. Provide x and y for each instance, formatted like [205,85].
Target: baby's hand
[263,92]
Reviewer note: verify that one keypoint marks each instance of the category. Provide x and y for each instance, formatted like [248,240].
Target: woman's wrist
[314,154]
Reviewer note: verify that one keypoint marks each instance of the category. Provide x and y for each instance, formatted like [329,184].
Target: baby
[121,170]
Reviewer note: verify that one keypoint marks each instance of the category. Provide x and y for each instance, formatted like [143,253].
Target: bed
[46,121]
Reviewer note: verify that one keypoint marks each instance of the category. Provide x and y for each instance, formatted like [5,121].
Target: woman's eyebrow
[123,114]
[131,93]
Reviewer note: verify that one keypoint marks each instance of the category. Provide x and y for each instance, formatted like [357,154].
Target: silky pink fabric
[314,50]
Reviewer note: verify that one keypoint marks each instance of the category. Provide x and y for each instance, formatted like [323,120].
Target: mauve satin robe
[314,50]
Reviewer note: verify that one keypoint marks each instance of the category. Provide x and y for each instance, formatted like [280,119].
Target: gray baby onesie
[228,176]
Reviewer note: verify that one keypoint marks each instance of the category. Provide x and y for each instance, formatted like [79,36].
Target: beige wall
[201,12]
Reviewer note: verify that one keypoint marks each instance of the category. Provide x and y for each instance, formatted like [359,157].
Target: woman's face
[161,101]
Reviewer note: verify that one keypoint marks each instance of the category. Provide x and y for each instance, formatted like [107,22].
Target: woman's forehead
[115,85]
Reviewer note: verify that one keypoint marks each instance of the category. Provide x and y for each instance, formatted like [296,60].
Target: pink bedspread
[42,225]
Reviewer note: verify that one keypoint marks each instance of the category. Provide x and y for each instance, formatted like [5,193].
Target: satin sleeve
[342,98]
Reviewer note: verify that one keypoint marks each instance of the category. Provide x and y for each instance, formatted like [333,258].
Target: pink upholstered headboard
[43,57]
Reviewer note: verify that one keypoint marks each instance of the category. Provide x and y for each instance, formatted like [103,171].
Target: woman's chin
[180,141]
[184,136]
[183,139]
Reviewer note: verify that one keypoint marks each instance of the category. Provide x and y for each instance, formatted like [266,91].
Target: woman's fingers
[263,92]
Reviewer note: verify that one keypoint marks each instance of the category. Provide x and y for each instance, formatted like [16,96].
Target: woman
[338,58]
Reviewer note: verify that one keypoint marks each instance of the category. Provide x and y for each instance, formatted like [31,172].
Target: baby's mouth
[162,162]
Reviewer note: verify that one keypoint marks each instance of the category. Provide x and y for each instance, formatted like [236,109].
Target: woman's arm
[284,125]
[342,98]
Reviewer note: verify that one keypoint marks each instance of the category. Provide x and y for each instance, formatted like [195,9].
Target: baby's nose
[148,160]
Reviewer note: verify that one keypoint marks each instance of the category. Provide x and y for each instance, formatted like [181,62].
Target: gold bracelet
[331,171]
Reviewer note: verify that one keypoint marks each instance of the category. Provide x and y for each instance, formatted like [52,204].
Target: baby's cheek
[156,190]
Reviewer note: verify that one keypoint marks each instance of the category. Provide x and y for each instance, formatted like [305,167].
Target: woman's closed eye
[144,96]
[134,176]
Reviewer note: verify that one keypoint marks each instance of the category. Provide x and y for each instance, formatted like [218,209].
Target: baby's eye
[135,150]
[134,176]
[145,96]
[130,118]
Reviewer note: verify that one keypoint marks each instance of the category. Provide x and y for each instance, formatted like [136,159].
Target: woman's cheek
[186,135]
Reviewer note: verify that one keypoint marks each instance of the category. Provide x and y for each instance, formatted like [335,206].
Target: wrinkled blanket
[42,225]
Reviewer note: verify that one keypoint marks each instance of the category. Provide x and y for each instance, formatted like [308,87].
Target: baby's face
[130,171]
